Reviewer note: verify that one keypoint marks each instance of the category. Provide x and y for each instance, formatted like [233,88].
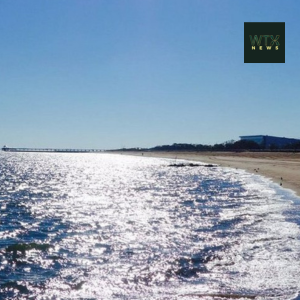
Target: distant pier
[50,150]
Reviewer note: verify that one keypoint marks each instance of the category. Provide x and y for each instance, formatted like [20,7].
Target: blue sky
[140,73]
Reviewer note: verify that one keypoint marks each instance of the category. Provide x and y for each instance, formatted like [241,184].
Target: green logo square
[264,42]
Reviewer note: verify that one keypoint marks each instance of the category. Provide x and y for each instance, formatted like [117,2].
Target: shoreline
[282,168]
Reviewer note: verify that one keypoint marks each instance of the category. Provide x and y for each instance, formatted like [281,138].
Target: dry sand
[281,167]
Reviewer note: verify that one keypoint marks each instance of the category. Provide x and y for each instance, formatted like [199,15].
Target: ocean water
[103,226]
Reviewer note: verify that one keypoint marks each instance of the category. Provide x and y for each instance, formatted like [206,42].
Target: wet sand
[282,168]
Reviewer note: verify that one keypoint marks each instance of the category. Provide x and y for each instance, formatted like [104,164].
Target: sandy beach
[282,168]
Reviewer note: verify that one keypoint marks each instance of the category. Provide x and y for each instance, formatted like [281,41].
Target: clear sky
[140,73]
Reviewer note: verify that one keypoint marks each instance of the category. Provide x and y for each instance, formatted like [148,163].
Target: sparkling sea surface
[105,226]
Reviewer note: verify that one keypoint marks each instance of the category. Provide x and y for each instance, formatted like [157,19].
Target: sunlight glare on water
[103,226]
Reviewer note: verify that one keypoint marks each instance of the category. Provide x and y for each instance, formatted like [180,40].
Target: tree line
[241,145]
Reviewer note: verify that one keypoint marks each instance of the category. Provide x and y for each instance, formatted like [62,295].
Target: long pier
[51,150]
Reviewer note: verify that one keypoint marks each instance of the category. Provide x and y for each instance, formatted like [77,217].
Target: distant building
[270,142]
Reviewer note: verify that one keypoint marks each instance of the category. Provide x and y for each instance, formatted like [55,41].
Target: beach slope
[282,168]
